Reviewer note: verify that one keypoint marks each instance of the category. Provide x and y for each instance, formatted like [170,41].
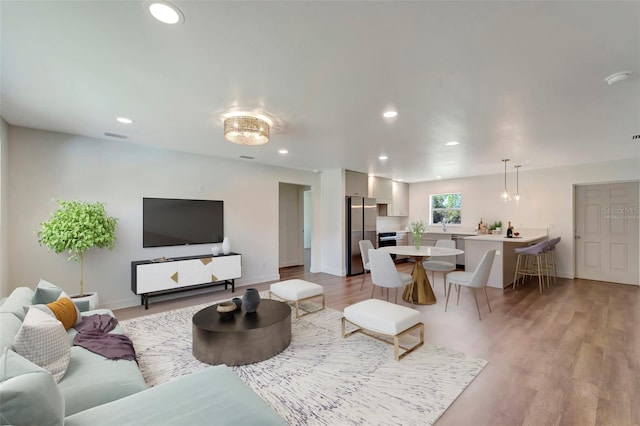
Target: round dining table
[420,291]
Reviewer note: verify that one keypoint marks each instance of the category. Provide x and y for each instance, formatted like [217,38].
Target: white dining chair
[365,246]
[444,264]
[384,273]
[473,280]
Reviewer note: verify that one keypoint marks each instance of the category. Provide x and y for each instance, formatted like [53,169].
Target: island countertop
[527,238]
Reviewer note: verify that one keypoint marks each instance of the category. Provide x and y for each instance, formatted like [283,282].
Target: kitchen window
[446,208]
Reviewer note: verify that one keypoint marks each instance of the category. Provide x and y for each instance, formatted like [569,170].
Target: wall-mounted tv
[175,222]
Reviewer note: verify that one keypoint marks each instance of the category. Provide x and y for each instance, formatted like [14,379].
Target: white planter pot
[91,297]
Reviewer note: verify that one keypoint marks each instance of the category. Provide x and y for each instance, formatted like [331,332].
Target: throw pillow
[65,311]
[45,293]
[43,340]
[29,394]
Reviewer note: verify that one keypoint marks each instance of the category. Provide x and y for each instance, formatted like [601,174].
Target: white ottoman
[388,319]
[297,291]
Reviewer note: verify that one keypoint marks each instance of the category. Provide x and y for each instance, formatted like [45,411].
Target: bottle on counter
[510,231]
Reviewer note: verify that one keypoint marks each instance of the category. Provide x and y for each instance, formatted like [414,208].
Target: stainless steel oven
[387,239]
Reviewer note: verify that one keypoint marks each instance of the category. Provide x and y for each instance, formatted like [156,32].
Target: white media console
[152,278]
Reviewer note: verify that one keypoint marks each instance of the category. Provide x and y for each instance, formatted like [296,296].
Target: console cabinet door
[226,267]
[157,277]
[194,271]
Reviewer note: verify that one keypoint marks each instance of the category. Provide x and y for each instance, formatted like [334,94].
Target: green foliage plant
[76,227]
[417,229]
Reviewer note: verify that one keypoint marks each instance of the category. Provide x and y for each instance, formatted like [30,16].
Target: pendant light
[517,197]
[505,194]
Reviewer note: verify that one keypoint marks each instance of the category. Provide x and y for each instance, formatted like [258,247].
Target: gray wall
[47,165]
[4,207]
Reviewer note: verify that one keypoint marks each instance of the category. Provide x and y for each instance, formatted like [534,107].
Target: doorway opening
[295,225]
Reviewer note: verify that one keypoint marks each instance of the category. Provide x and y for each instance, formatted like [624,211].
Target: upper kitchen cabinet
[400,204]
[356,184]
[381,189]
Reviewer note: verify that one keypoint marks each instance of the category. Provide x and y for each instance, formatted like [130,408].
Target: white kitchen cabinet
[381,189]
[149,278]
[356,184]
[400,197]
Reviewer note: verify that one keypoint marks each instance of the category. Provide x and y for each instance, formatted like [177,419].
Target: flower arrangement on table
[417,229]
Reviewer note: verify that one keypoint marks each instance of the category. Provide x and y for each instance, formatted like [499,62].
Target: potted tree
[76,227]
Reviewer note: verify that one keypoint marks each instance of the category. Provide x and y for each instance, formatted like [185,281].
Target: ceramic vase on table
[226,246]
[251,300]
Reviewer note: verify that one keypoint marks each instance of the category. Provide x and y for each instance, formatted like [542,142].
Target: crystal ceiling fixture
[505,193]
[517,196]
[247,129]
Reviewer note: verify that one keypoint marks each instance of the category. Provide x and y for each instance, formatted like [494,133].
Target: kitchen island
[504,264]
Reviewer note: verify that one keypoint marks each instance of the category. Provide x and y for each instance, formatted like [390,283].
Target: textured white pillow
[43,341]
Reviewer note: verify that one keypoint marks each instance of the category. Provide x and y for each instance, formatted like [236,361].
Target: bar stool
[551,258]
[530,263]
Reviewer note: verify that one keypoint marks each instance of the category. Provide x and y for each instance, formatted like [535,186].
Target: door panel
[606,218]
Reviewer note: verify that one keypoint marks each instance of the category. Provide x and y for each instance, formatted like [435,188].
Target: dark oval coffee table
[244,338]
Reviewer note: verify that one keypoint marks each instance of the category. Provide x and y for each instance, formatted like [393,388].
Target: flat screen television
[176,222]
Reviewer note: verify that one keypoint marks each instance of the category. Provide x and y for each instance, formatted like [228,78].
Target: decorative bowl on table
[226,309]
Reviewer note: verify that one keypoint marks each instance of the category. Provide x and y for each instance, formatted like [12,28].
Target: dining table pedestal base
[419,292]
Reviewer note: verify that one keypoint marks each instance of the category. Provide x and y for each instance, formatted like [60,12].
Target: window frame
[433,209]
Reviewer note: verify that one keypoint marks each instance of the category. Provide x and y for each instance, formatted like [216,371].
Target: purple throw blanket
[93,335]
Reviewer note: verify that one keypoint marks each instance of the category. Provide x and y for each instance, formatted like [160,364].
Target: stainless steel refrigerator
[361,225]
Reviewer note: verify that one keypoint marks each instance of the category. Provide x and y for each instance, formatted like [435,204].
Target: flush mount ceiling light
[505,193]
[165,12]
[619,76]
[517,197]
[245,129]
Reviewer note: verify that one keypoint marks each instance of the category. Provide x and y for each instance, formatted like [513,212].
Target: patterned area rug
[321,378]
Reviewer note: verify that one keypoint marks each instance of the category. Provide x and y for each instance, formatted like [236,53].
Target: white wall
[547,199]
[332,219]
[4,208]
[47,165]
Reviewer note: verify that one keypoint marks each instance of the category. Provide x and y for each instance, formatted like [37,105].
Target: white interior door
[606,234]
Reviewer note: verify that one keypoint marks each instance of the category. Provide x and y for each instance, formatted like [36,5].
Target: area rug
[321,378]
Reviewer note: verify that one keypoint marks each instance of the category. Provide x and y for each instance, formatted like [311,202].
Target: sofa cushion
[45,293]
[9,327]
[215,395]
[17,300]
[92,379]
[29,394]
[43,341]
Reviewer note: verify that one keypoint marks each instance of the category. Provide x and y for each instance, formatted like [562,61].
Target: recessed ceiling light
[165,12]
[619,76]
[124,120]
[452,143]
[283,151]
[438,177]
[400,180]
[390,114]
[383,157]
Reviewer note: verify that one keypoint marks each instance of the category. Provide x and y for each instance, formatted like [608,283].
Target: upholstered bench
[296,291]
[388,319]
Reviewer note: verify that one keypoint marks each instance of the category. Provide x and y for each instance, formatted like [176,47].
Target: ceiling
[518,80]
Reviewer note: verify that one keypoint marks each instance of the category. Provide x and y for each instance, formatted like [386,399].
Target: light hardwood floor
[570,356]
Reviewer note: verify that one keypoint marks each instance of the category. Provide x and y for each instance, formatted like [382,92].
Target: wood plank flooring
[570,356]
